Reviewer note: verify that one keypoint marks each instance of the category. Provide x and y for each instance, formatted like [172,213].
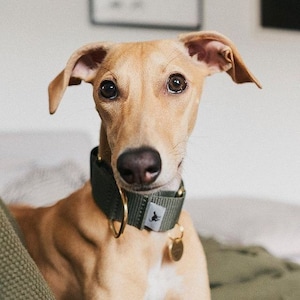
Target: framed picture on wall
[167,14]
[284,14]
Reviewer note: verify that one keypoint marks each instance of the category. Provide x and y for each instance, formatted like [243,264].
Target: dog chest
[162,280]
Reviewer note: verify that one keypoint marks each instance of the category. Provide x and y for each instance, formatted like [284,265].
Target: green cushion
[19,276]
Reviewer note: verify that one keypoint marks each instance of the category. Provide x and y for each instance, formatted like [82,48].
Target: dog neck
[157,211]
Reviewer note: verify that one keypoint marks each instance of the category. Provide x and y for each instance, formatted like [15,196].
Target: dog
[95,244]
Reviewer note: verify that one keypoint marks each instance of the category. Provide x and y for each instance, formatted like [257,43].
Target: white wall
[246,142]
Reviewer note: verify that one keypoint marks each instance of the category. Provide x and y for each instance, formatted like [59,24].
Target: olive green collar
[157,211]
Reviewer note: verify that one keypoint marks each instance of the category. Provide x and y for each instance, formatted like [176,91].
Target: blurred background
[246,142]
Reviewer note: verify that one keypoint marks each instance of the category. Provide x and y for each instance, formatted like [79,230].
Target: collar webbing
[158,211]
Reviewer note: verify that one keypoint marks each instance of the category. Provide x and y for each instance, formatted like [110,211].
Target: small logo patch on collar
[155,216]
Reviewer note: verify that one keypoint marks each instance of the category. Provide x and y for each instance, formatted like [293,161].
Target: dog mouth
[141,188]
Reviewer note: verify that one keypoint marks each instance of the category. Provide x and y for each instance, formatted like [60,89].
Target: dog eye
[176,84]
[108,90]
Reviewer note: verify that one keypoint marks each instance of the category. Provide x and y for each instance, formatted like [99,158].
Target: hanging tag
[176,249]
[176,246]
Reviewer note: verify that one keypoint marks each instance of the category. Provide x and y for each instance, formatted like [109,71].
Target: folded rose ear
[82,65]
[219,53]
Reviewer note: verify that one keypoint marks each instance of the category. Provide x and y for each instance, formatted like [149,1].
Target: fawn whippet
[147,95]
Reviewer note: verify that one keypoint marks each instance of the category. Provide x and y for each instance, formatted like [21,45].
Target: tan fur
[71,241]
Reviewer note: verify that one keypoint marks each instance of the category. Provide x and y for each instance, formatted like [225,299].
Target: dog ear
[219,53]
[82,65]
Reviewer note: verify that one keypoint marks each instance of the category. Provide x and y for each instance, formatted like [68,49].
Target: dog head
[147,95]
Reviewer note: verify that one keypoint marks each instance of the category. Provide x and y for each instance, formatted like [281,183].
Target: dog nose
[139,166]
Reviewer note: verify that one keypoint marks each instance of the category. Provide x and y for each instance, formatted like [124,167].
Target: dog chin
[142,189]
[153,188]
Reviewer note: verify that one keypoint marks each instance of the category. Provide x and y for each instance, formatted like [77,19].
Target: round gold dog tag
[176,249]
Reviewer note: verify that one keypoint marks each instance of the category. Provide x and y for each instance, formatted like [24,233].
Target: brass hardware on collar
[124,199]
[181,229]
[180,191]
[116,233]
[176,246]
[99,158]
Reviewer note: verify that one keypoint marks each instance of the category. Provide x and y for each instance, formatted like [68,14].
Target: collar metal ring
[118,233]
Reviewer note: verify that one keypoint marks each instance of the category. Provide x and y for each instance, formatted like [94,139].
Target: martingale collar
[157,211]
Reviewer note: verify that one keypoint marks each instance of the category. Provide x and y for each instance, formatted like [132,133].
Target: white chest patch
[161,280]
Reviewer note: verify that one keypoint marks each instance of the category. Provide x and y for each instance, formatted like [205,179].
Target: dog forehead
[138,54]
[143,58]
[146,47]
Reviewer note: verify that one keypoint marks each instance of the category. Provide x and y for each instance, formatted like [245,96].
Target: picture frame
[280,14]
[160,14]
